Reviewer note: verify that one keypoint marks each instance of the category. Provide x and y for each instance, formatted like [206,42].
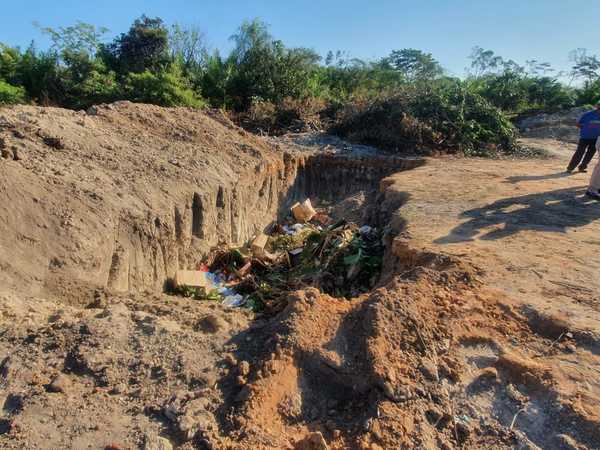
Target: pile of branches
[425,119]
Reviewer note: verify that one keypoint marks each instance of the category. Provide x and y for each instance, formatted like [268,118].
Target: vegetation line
[402,102]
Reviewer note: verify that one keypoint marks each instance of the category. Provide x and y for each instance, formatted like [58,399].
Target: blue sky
[519,29]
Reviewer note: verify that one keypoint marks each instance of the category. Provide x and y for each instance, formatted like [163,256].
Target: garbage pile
[307,249]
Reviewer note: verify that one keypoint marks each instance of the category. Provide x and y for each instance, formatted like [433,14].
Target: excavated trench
[148,251]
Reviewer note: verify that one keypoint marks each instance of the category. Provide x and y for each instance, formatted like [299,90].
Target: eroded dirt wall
[122,196]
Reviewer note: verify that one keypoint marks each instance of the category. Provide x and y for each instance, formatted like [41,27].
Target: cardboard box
[191,278]
[304,211]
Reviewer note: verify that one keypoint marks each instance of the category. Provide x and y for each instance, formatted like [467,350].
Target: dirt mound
[560,125]
[422,362]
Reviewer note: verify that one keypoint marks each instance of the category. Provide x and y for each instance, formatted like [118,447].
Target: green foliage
[165,88]
[466,120]
[422,118]
[404,97]
[144,47]
[11,95]
[548,94]
[589,94]
[216,80]
[39,74]
[514,88]
[88,82]
[187,47]
[585,66]
[507,90]
[415,65]
[265,69]
[79,38]
[342,79]
[9,61]
[197,293]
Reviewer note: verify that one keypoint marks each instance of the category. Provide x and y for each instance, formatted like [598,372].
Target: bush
[386,124]
[549,95]
[290,115]
[11,95]
[165,88]
[589,94]
[87,81]
[421,119]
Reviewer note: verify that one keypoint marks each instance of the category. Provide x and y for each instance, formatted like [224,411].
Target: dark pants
[584,154]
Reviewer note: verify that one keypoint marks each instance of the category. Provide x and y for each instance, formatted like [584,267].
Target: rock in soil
[154,442]
[60,383]
[313,441]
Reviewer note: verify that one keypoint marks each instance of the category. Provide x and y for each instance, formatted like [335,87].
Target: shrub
[386,124]
[165,88]
[589,94]
[10,95]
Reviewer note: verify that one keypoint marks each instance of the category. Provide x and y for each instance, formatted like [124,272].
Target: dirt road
[526,223]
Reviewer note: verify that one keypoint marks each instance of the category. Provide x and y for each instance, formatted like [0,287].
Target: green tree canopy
[143,47]
[415,65]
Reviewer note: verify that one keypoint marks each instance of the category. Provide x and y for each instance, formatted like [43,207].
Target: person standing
[593,190]
[589,131]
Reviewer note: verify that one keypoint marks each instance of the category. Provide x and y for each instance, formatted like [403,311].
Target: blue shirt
[590,125]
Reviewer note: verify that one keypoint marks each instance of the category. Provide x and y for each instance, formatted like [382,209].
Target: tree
[81,78]
[39,74]
[251,36]
[537,68]
[415,65]
[143,47]
[216,80]
[548,94]
[87,81]
[484,62]
[506,91]
[79,38]
[585,66]
[9,61]
[188,45]
[266,69]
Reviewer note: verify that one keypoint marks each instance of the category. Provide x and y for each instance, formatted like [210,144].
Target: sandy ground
[526,223]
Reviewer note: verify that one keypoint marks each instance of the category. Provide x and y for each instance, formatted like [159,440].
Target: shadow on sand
[553,211]
[550,176]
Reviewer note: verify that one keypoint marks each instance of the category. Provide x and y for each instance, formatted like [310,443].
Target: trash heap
[307,249]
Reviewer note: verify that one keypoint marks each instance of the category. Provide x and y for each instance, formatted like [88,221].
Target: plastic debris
[294,229]
[234,301]
[365,229]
